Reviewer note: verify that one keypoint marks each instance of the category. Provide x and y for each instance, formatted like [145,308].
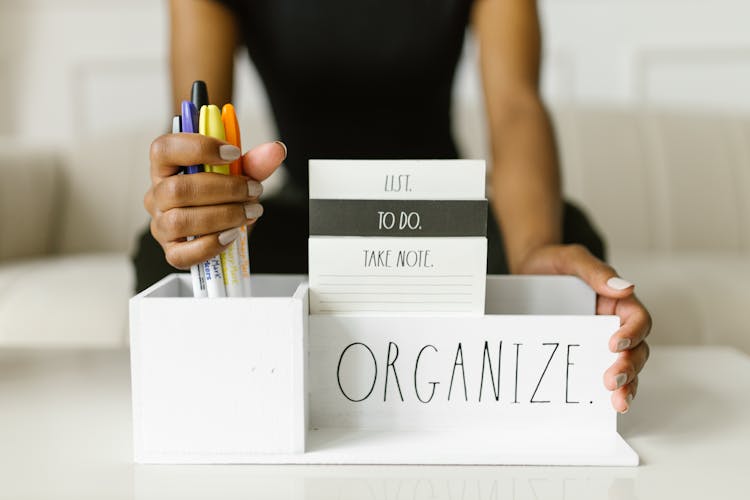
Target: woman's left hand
[614,296]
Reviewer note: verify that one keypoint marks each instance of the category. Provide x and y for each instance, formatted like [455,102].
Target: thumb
[578,261]
[263,160]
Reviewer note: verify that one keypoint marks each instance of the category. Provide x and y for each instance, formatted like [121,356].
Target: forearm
[525,180]
[203,39]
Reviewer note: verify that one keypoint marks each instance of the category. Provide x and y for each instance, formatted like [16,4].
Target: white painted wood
[464,446]
[222,381]
[502,373]
[213,377]
[540,295]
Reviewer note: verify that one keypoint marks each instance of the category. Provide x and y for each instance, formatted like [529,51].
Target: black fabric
[354,79]
[357,79]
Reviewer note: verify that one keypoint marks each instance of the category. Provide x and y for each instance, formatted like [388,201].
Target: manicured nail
[253,210]
[254,189]
[620,380]
[616,283]
[227,152]
[283,146]
[623,344]
[229,236]
[629,399]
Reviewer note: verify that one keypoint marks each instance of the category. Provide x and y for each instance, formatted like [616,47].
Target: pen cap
[209,123]
[199,94]
[190,125]
[189,117]
[232,132]
[176,124]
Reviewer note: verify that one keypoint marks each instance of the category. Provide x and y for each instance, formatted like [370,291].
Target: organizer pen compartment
[218,379]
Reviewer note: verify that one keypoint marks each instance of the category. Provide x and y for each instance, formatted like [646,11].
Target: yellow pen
[210,124]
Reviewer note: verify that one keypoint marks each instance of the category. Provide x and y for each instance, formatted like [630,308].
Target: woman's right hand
[211,205]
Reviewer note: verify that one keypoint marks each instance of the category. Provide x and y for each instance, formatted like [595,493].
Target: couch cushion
[29,199]
[68,301]
[660,180]
[104,182]
[697,298]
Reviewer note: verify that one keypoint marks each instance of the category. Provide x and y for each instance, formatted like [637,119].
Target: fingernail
[254,188]
[629,399]
[283,146]
[227,152]
[616,283]
[229,236]
[253,210]
[620,380]
[623,344]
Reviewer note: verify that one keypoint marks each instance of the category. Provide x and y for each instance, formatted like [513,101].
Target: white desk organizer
[258,380]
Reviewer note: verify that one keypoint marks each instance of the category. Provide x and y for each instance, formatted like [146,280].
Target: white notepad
[406,236]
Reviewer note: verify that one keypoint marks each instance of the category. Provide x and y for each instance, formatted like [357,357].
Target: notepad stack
[392,237]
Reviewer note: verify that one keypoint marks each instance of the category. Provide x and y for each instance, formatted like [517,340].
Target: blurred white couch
[670,191]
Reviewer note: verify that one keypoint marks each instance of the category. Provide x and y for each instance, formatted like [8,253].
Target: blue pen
[189,123]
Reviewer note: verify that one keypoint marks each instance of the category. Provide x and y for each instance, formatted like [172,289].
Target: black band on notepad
[398,217]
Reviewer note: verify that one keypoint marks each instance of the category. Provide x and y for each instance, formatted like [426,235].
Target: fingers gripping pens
[226,274]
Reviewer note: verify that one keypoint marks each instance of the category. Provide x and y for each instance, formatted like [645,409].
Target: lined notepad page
[371,253]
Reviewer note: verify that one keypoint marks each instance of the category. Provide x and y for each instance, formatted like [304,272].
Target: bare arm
[525,180]
[216,207]
[526,183]
[203,39]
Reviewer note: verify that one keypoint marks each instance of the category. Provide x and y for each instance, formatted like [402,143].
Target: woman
[372,79]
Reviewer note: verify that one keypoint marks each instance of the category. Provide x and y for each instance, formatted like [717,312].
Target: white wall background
[77,68]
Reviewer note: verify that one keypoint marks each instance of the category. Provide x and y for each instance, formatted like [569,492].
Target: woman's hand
[213,206]
[614,296]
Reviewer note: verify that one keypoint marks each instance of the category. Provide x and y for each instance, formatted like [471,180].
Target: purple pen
[190,125]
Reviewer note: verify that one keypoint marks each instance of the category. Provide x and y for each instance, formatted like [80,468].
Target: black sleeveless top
[353,79]
[357,78]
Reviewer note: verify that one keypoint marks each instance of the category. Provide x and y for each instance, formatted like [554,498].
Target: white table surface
[65,432]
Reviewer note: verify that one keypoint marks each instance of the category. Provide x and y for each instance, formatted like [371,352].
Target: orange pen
[232,133]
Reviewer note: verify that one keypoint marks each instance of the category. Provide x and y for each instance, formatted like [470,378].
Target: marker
[190,125]
[176,129]
[199,94]
[209,123]
[232,132]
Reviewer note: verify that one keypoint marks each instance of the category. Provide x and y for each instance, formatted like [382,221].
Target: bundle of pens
[227,274]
